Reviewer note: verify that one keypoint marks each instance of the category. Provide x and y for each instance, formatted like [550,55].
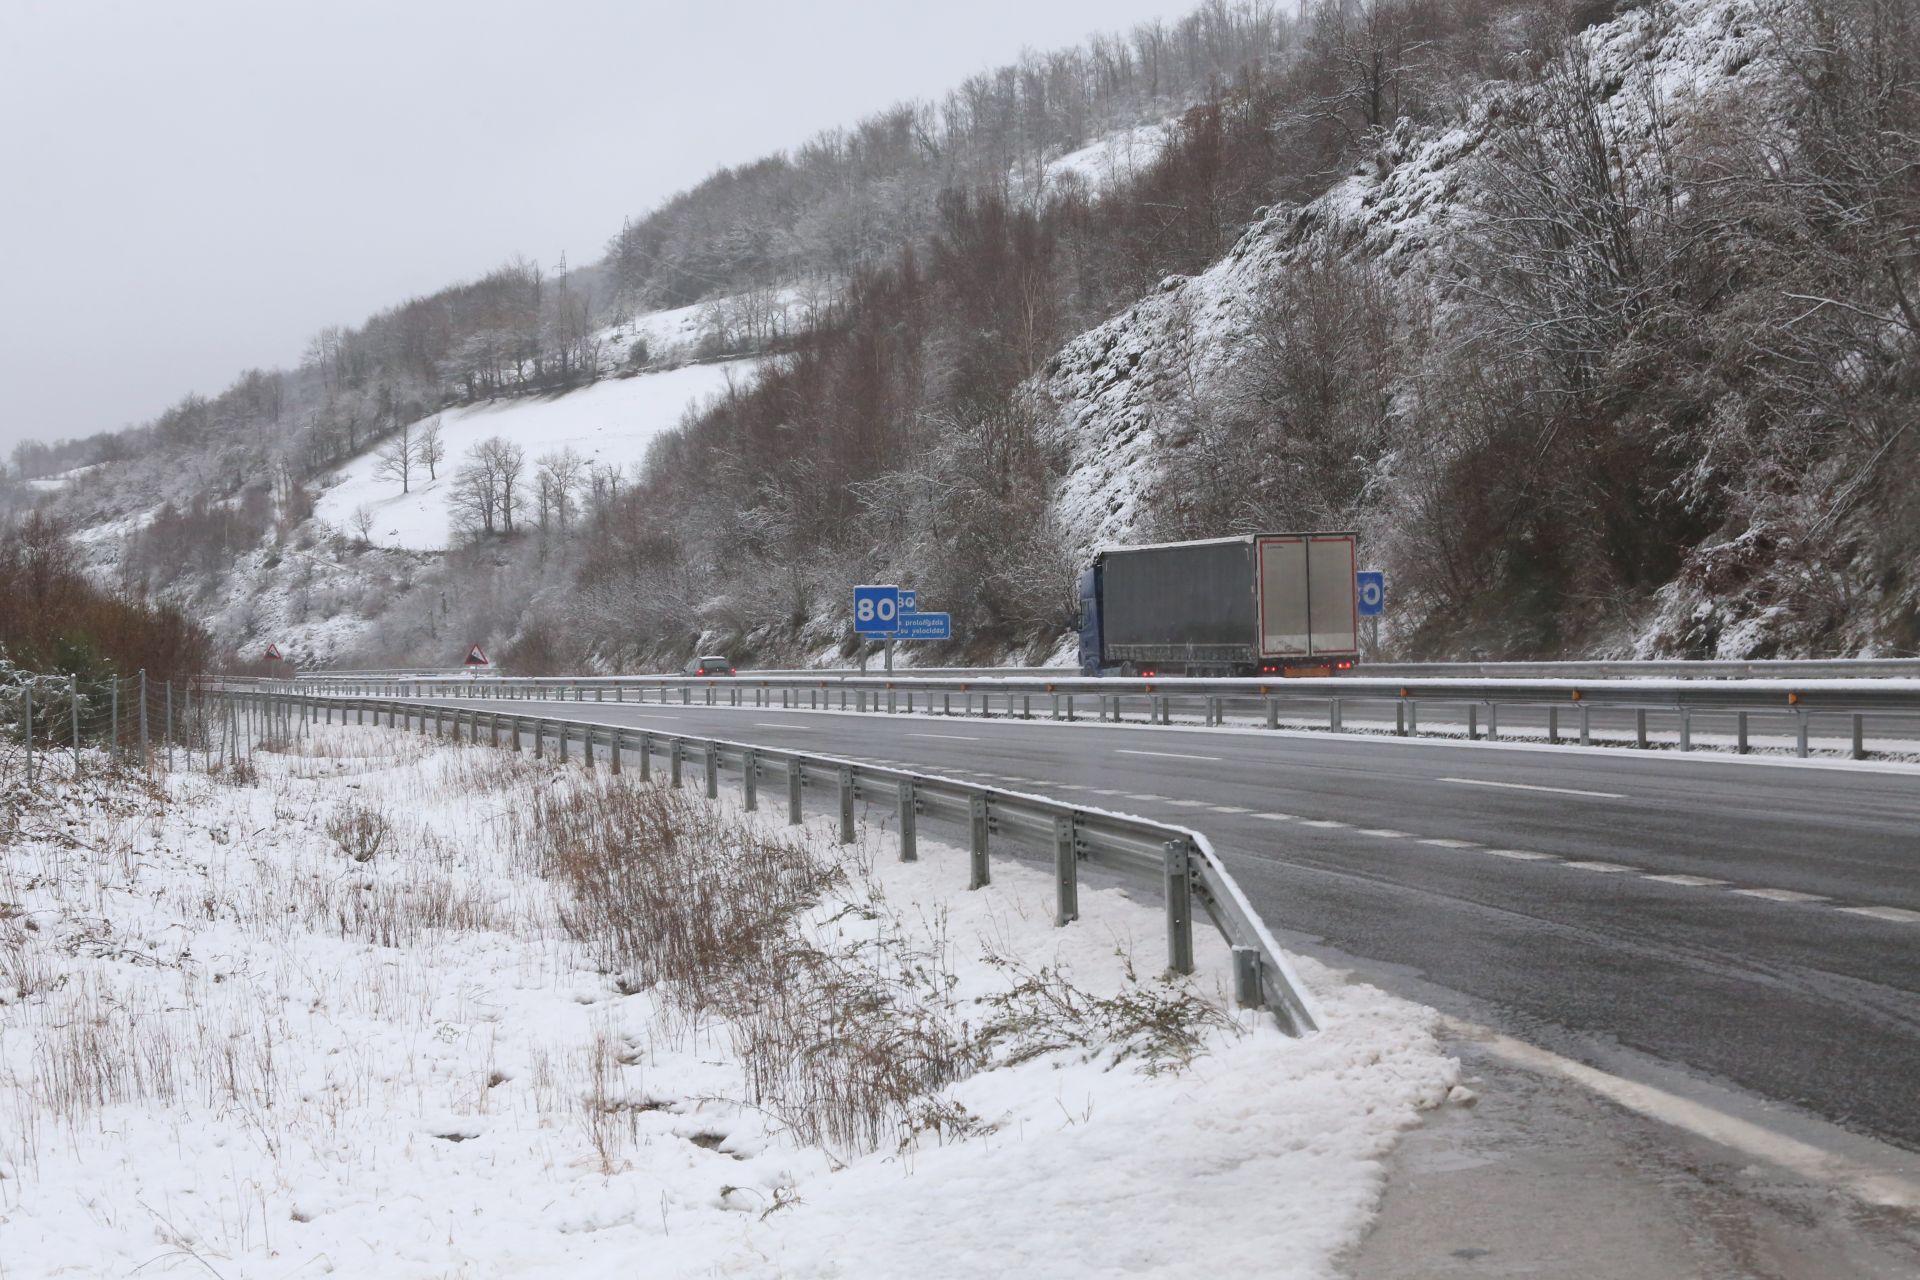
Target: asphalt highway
[1745,922]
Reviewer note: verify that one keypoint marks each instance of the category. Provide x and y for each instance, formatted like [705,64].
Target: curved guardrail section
[1176,862]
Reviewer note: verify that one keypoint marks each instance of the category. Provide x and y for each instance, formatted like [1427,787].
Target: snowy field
[242,1036]
[610,423]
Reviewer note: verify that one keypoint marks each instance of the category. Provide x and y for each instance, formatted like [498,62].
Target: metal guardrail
[1566,706]
[1178,862]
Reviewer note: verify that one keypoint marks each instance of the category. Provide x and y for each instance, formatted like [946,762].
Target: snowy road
[1746,922]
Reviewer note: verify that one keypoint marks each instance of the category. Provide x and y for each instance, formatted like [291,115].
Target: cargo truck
[1261,604]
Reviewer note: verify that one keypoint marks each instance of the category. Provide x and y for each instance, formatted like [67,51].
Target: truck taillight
[734,671]
[1346,665]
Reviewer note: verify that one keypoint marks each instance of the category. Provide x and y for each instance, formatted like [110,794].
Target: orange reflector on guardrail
[1793,699]
[1576,695]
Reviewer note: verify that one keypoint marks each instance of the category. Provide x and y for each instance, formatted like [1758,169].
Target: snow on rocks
[228,1041]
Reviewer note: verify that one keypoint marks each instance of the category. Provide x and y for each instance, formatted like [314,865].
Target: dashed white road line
[1524,786]
[1439,843]
[1327,823]
[1898,915]
[950,737]
[1384,833]
[800,728]
[1275,817]
[1781,895]
[1604,868]
[1523,855]
[1692,882]
[1164,755]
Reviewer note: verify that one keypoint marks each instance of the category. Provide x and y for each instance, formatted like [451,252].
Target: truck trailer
[1260,604]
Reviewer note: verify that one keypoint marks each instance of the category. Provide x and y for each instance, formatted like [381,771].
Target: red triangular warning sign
[273,653]
[476,657]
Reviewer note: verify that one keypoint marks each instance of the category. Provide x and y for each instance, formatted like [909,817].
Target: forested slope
[1599,321]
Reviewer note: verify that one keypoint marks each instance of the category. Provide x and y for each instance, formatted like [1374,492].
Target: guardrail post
[1859,736]
[712,754]
[909,823]
[1069,708]
[565,732]
[1586,725]
[1246,978]
[846,806]
[1273,714]
[1473,722]
[1740,733]
[539,739]
[1400,719]
[1179,867]
[1413,718]
[1686,728]
[750,780]
[1640,728]
[513,727]
[646,756]
[678,756]
[1026,706]
[1801,733]
[981,874]
[796,779]
[1066,872]
[586,746]
[1553,726]
[1213,709]
[1333,716]
[1493,722]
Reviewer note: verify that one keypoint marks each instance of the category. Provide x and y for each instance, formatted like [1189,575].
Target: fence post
[1179,906]
[796,779]
[909,833]
[143,717]
[73,701]
[846,806]
[750,779]
[981,875]
[1246,978]
[1066,872]
[113,701]
[27,691]
[679,755]
[712,754]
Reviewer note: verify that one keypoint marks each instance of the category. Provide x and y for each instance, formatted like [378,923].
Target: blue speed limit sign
[1370,593]
[876,610]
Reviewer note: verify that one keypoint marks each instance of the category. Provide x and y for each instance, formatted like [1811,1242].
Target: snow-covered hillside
[610,423]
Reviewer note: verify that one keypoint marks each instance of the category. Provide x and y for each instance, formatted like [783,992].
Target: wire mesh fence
[57,727]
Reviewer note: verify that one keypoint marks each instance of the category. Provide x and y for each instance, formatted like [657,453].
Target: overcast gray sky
[189,188]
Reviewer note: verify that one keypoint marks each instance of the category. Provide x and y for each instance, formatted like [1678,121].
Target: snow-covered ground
[1110,161]
[610,423]
[229,1047]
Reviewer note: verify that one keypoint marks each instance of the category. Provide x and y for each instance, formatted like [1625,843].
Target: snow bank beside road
[224,1037]
[610,423]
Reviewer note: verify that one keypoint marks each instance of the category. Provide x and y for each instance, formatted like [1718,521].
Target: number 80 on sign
[876,610]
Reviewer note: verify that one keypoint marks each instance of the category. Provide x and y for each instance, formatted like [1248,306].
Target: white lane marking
[1521,855]
[1164,755]
[952,737]
[1067,786]
[1384,833]
[1874,1185]
[803,728]
[1106,791]
[1694,882]
[1523,786]
[1320,822]
[1275,817]
[1452,844]
[1138,795]
[1605,868]
[1781,895]
[1230,808]
[1188,804]
[1899,915]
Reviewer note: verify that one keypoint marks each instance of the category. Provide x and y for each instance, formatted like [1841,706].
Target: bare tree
[432,448]
[399,456]
[363,522]
[560,478]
